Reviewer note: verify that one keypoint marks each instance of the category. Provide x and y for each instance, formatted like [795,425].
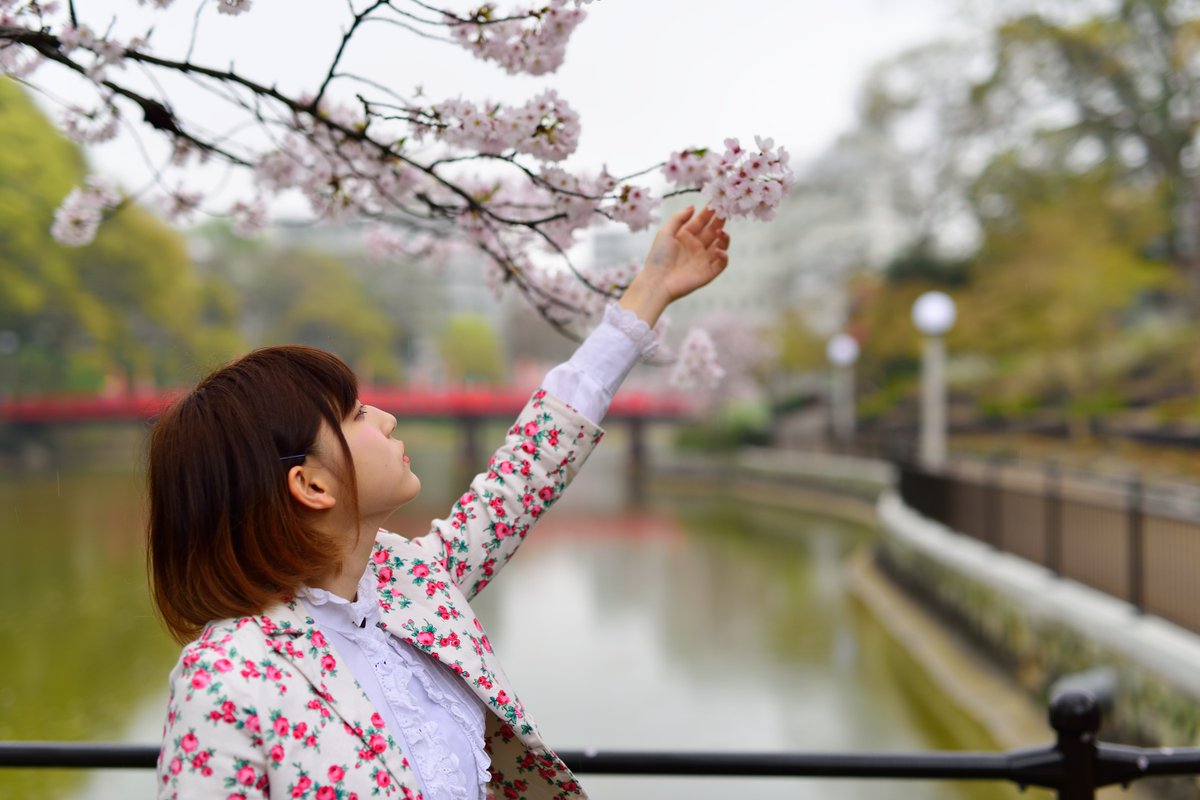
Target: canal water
[682,624]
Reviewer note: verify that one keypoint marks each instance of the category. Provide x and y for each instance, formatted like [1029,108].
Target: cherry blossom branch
[355,148]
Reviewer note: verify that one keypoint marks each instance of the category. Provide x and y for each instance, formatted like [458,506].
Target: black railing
[1074,766]
[1135,541]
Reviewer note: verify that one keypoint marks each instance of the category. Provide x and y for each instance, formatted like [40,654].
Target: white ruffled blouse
[439,721]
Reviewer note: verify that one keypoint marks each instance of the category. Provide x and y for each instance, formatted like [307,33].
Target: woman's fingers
[677,220]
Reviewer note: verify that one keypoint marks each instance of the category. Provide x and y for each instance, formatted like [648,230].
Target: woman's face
[385,478]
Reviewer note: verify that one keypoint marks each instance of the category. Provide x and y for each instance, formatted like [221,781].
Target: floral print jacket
[260,707]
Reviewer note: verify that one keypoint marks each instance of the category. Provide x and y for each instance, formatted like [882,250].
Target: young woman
[328,658]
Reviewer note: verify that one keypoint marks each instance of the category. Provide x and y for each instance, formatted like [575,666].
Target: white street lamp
[934,314]
[842,352]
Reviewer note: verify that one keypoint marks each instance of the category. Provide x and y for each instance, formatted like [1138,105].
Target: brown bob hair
[224,536]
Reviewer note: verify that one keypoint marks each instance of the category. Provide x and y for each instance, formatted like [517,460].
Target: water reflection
[687,625]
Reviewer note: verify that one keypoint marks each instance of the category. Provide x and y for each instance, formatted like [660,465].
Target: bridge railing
[1074,766]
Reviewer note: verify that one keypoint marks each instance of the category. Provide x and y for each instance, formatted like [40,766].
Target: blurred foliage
[1067,153]
[471,352]
[310,297]
[1121,89]
[734,425]
[125,308]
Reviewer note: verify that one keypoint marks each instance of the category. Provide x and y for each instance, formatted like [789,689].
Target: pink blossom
[336,773]
[79,216]
[201,679]
[249,218]
[245,775]
[189,742]
[90,127]
[634,206]
[749,183]
[690,168]
[545,127]
[535,44]
[696,365]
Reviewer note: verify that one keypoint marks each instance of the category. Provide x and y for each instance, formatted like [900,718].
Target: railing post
[992,531]
[470,456]
[1053,511]
[1135,553]
[636,487]
[1075,717]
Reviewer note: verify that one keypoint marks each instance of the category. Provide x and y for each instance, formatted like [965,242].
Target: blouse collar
[335,611]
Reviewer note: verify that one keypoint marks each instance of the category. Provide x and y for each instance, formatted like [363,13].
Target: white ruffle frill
[439,721]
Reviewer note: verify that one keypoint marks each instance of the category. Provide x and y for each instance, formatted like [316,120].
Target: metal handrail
[1075,765]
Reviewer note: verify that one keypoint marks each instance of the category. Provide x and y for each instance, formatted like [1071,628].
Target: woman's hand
[688,252]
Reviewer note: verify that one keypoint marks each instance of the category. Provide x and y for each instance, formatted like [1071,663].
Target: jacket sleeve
[212,741]
[542,453]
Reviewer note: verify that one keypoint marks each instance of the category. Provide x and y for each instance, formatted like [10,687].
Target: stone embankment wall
[1044,627]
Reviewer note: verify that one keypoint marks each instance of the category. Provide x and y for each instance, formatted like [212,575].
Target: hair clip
[298,455]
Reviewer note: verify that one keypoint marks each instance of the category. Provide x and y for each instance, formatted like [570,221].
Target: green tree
[307,296]
[1054,285]
[1120,86]
[470,351]
[128,306]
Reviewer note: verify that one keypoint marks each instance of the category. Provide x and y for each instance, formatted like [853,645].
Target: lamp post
[933,313]
[842,352]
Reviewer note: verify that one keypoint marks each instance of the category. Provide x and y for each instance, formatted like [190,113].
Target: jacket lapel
[421,604]
[292,634]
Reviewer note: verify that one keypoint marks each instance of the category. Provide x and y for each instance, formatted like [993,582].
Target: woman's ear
[311,487]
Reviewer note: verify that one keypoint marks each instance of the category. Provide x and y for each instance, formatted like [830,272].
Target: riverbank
[984,692]
[970,676]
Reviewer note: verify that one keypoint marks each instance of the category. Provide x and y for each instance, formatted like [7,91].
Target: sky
[647,76]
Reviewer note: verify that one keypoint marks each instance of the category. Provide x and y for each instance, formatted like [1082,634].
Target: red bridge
[420,403]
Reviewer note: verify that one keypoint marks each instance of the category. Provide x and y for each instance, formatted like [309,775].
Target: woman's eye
[362,412]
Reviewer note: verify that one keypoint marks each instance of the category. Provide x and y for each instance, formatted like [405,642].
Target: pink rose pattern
[260,709]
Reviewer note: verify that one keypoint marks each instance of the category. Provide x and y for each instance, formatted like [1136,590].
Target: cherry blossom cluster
[340,176]
[572,201]
[741,183]
[746,183]
[102,52]
[532,41]
[696,365]
[545,127]
[690,168]
[635,206]
[92,126]
[80,215]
